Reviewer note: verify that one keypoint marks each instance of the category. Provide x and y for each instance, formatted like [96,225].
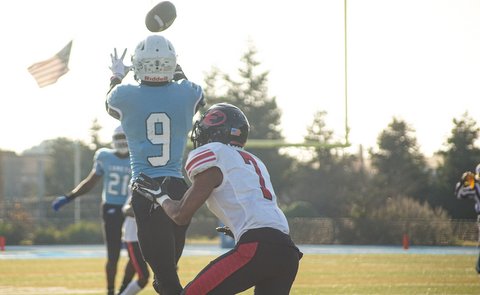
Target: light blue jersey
[156,121]
[116,175]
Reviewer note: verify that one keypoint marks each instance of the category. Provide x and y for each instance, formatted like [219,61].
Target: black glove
[149,188]
[225,230]
[179,74]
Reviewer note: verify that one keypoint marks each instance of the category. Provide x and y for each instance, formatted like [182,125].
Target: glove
[119,70]
[225,230]
[59,202]
[179,74]
[468,179]
[151,189]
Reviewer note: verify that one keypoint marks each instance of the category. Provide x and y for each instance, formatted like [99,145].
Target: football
[160,17]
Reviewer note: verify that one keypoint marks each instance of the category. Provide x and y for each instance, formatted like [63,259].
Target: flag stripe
[43,66]
[50,74]
[49,71]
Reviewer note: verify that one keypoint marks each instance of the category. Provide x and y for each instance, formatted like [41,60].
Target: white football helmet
[119,140]
[154,60]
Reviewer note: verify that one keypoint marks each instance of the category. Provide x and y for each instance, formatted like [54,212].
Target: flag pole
[76,178]
[347,129]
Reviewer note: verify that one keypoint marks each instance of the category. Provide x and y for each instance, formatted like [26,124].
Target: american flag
[48,71]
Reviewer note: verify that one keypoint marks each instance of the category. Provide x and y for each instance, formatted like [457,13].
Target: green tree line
[393,181]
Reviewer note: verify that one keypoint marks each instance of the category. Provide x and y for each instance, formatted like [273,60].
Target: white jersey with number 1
[245,199]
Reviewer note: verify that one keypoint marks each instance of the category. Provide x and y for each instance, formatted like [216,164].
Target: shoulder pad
[200,160]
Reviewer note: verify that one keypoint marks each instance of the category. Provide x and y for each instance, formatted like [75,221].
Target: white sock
[132,289]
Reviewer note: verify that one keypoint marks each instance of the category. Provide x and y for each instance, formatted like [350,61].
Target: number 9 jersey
[245,199]
[156,121]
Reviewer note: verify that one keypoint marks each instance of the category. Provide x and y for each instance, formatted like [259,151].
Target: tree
[460,155]
[332,178]
[249,92]
[94,130]
[60,171]
[400,168]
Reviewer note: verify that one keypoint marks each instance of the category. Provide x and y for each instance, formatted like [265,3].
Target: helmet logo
[215,118]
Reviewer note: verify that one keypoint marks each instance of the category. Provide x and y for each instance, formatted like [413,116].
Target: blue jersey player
[113,166]
[157,115]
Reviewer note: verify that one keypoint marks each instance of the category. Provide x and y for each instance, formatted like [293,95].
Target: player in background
[113,166]
[157,115]
[469,188]
[130,239]
[236,187]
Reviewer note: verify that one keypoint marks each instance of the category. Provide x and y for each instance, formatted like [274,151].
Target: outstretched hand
[119,70]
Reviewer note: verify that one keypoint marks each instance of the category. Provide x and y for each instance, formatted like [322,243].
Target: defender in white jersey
[113,166]
[236,187]
[245,190]
[157,115]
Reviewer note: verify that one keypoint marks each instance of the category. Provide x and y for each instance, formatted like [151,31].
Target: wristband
[69,196]
[163,199]
[115,80]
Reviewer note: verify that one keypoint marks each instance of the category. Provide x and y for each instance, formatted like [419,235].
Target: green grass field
[318,274]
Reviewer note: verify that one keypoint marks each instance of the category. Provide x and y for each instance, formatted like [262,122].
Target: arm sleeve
[462,192]
[111,104]
[98,163]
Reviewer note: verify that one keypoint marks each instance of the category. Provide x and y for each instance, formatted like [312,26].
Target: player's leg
[478,227]
[139,264]
[264,258]
[112,219]
[282,269]
[140,267]
[227,274]
[177,189]
[477,265]
[128,274]
[157,242]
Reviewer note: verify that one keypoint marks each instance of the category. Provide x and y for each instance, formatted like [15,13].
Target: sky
[416,60]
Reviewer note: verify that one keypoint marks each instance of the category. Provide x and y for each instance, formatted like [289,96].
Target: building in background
[22,180]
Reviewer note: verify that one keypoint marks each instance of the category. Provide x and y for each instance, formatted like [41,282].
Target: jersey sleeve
[113,102]
[463,192]
[98,165]
[197,93]
[200,160]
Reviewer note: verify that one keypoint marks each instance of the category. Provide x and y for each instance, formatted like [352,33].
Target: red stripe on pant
[218,272]
[134,260]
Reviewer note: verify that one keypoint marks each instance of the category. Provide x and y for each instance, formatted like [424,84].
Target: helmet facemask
[119,141]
